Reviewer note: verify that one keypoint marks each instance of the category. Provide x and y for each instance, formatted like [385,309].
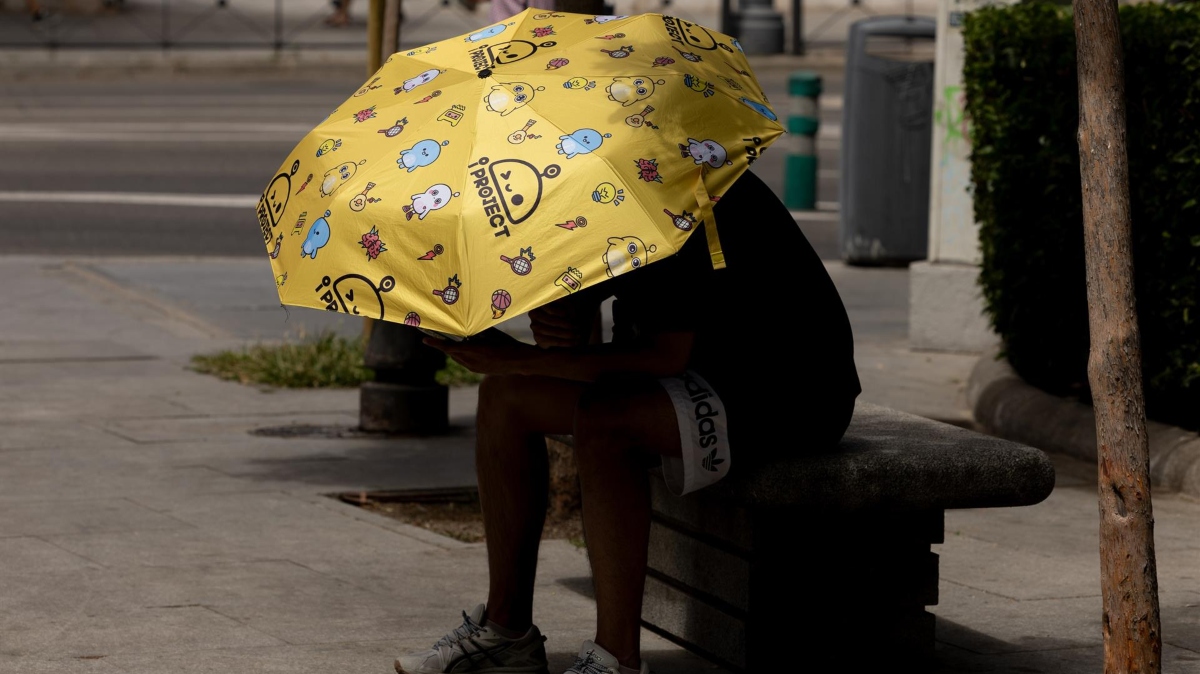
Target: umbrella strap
[710,226]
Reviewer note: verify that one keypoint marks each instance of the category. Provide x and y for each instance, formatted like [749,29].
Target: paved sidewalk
[143,528]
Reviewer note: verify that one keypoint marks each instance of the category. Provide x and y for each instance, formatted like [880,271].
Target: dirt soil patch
[457,515]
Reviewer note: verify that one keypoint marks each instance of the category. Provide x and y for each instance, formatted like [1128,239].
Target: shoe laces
[468,629]
[588,663]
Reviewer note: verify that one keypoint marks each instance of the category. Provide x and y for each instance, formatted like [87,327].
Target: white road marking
[154,132]
[135,199]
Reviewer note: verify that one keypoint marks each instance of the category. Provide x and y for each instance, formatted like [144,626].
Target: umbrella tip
[485,73]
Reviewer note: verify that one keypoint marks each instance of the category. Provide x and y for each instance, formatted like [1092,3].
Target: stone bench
[825,560]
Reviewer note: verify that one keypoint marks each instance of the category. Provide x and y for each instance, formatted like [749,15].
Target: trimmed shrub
[1022,99]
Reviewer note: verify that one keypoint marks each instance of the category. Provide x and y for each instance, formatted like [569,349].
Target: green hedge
[1022,99]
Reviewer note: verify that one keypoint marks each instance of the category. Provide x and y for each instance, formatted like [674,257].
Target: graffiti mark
[950,115]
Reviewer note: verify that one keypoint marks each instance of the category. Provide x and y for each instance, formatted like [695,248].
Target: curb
[1006,406]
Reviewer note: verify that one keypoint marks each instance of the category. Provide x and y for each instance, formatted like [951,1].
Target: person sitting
[700,375]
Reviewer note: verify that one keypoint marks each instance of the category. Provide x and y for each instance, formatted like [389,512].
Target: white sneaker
[595,660]
[476,649]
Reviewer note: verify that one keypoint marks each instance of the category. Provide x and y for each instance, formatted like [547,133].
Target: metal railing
[176,24]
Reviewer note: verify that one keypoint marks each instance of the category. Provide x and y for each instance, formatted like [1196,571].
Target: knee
[601,419]
[497,395]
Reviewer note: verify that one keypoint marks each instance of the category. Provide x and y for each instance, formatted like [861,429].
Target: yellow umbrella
[492,173]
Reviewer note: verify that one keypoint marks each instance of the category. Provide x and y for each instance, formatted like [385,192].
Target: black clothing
[772,335]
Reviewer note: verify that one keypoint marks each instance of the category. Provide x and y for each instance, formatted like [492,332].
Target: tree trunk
[1128,576]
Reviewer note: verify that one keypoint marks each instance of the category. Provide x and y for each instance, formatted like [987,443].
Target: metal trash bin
[887,121]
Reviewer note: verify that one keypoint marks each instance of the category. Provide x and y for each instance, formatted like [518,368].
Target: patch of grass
[327,361]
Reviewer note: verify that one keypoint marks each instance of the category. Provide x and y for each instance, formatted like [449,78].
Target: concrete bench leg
[757,590]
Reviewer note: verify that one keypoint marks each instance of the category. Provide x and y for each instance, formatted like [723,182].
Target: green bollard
[800,166]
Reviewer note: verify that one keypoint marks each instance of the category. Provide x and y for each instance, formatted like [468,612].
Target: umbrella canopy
[491,173]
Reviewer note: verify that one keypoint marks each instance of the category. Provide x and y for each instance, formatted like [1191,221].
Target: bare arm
[662,355]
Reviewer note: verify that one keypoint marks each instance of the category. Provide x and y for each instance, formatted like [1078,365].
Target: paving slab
[47,518]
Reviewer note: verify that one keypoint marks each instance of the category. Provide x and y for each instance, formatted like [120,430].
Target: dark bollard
[405,396]
[759,27]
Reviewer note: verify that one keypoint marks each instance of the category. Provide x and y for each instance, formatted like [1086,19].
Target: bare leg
[514,414]
[618,428]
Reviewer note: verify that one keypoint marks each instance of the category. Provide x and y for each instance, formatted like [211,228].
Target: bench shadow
[959,650]
[340,458]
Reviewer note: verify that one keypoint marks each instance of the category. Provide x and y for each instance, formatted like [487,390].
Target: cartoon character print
[517,137]
[278,246]
[698,85]
[296,229]
[571,225]
[501,301]
[579,84]
[630,90]
[274,200]
[414,82]
[372,244]
[364,115]
[329,145]
[583,141]
[359,201]
[490,31]
[570,280]
[556,63]
[451,292]
[689,56]
[396,129]
[522,264]
[543,31]
[648,170]
[638,119]
[355,294]
[626,253]
[506,97]
[706,151]
[692,36]
[684,221]
[503,53]
[662,61]
[608,193]
[368,87]
[515,183]
[437,250]
[423,153]
[318,236]
[453,115]
[281,279]
[339,175]
[432,199]
[605,18]
[621,53]
[761,109]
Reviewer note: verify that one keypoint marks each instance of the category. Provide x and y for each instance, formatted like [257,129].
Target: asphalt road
[172,166]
